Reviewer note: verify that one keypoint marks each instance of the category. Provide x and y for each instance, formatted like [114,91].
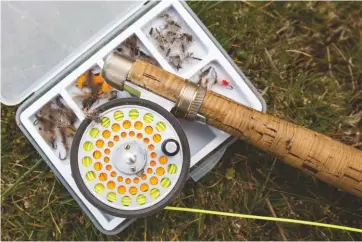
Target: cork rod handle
[329,160]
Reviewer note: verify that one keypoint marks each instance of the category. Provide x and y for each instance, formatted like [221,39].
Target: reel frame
[180,182]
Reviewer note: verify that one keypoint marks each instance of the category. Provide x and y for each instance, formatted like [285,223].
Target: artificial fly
[226,83]
[209,77]
[173,42]
[94,88]
[55,118]
[131,48]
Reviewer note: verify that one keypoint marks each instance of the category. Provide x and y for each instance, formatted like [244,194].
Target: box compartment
[175,40]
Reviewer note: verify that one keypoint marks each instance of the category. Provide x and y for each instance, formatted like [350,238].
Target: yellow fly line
[265,218]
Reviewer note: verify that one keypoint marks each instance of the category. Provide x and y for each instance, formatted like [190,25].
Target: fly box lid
[40,39]
[124,22]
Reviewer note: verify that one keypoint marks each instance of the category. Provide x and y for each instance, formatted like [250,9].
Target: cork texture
[328,160]
[156,80]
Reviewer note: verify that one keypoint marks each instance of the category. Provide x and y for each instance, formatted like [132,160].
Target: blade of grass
[10,189]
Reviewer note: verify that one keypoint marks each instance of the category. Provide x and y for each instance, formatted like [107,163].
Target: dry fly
[175,61]
[173,42]
[55,118]
[131,48]
[209,77]
[45,121]
[93,116]
[93,89]
[65,119]
[168,52]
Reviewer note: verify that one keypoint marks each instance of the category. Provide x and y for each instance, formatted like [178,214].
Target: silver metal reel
[133,160]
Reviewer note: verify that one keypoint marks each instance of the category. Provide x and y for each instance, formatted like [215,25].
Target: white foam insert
[202,138]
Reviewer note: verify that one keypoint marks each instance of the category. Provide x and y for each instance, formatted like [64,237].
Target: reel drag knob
[170,147]
[131,158]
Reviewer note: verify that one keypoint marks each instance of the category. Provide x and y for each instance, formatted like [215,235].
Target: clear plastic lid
[37,36]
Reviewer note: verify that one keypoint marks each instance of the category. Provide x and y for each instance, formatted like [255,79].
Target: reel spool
[132,160]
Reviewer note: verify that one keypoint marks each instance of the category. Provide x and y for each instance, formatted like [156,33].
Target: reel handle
[328,160]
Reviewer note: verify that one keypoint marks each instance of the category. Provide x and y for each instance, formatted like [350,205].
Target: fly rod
[327,159]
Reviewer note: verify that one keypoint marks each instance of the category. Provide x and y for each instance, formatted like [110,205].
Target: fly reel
[132,159]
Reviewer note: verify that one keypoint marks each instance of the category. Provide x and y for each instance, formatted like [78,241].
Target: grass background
[306,60]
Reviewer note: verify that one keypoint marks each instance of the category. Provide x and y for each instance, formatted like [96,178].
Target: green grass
[306,59]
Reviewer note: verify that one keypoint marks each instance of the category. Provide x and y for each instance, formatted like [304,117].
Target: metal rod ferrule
[116,69]
[189,102]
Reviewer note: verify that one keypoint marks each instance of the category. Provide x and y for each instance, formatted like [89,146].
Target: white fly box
[137,21]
